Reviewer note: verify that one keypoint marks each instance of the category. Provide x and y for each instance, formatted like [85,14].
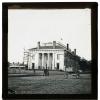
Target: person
[77,74]
[66,73]
[77,70]
[48,71]
[43,71]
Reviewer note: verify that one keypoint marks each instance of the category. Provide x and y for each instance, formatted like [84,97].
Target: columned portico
[45,60]
[54,56]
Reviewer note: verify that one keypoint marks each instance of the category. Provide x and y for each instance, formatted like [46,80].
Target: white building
[50,55]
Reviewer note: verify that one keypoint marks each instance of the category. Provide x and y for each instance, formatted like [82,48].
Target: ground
[55,83]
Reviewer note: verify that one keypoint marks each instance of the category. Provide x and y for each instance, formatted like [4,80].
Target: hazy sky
[26,27]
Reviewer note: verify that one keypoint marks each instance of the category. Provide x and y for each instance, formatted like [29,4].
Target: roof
[47,47]
[58,46]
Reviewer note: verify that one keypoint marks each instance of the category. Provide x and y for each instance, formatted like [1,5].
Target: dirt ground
[53,84]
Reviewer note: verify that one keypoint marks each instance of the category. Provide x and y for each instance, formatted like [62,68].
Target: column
[42,60]
[29,62]
[48,60]
[38,60]
[53,61]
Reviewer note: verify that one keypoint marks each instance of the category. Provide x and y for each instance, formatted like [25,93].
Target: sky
[28,26]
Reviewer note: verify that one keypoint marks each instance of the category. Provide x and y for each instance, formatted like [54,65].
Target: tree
[85,65]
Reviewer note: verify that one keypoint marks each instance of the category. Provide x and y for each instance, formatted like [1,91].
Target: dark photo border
[50,5]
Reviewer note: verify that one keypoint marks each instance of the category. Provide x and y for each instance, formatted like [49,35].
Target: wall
[55,61]
[71,61]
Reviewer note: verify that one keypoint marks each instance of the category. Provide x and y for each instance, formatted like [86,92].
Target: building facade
[52,55]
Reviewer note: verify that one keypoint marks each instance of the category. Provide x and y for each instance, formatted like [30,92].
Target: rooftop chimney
[54,44]
[75,51]
[67,46]
[38,45]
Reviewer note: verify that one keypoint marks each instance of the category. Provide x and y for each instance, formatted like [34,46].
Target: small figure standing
[66,73]
[48,71]
[43,71]
[77,74]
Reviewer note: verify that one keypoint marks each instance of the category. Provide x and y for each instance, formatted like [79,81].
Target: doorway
[32,65]
[57,66]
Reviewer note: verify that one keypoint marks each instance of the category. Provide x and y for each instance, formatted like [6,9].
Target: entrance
[32,65]
[26,66]
[57,65]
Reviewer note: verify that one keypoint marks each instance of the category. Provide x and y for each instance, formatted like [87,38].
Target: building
[53,55]
[16,65]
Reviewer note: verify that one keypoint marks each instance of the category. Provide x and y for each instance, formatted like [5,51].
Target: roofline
[47,49]
[59,43]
